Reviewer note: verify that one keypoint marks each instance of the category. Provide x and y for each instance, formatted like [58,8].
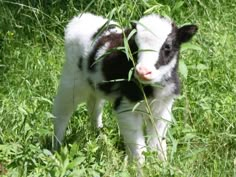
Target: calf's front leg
[131,128]
[157,127]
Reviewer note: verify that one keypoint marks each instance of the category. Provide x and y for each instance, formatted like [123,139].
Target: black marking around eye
[169,49]
[175,79]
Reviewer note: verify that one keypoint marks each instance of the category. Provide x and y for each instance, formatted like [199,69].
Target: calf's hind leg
[65,103]
[70,94]
[95,106]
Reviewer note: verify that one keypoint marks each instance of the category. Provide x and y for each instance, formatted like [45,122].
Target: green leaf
[22,110]
[201,67]
[178,6]
[189,46]
[47,152]
[183,69]
[131,33]
[130,74]
[76,162]
[136,106]
[126,44]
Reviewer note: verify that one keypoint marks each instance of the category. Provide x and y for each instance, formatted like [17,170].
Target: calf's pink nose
[143,72]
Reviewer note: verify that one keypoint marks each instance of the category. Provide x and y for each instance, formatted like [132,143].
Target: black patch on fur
[90,82]
[80,63]
[117,103]
[117,66]
[116,38]
[175,79]
[104,28]
[128,89]
[133,92]
[100,43]
[185,33]
[169,49]
[173,42]
[174,76]
[106,87]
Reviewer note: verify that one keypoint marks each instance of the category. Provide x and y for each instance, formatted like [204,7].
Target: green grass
[202,140]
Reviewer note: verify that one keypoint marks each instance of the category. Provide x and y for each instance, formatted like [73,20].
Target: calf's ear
[185,33]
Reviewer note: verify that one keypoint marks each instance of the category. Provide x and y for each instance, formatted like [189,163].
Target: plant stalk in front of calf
[99,66]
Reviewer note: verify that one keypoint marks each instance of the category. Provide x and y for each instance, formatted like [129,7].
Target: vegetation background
[202,140]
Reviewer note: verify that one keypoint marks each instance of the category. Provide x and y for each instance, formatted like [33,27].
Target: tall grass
[202,141]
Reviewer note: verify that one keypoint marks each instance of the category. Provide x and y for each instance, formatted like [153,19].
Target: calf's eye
[167,49]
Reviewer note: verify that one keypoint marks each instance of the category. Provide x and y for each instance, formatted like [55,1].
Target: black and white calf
[96,69]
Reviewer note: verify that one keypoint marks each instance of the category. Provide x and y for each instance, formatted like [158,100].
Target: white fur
[152,31]
[74,89]
[158,75]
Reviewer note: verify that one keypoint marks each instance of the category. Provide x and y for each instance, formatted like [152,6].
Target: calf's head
[159,41]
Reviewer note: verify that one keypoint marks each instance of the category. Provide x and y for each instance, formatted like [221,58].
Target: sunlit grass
[202,140]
